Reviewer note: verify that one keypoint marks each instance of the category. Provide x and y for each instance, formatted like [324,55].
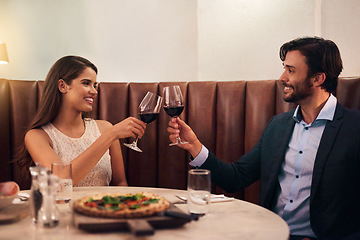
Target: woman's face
[80,94]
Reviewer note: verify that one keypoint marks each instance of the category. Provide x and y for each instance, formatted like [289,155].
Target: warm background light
[3,54]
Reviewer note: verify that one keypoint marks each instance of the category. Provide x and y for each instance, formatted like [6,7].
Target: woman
[60,132]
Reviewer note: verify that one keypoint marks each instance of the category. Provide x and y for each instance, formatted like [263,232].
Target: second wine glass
[149,110]
[174,105]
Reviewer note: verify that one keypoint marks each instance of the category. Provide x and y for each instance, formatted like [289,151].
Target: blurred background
[171,40]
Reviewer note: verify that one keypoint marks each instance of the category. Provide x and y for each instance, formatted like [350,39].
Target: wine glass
[173,105]
[149,110]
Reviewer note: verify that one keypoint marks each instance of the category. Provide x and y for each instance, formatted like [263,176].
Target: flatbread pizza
[116,205]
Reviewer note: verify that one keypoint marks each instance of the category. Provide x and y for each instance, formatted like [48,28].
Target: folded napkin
[215,198]
[21,198]
[220,198]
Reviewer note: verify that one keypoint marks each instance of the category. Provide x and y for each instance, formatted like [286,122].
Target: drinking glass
[64,173]
[173,105]
[149,110]
[199,191]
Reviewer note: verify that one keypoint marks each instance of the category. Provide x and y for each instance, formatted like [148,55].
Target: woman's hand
[130,127]
[178,128]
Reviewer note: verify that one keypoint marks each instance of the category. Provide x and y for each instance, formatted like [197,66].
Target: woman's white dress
[69,148]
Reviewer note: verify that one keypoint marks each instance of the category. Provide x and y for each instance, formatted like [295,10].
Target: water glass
[64,172]
[199,191]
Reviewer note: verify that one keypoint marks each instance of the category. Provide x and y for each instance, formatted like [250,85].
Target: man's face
[298,86]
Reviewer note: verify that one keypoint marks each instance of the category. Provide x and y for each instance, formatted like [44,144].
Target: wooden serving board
[136,226]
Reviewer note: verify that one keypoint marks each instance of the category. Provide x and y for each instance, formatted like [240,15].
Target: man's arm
[231,177]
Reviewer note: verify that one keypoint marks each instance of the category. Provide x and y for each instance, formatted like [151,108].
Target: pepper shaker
[48,215]
[35,194]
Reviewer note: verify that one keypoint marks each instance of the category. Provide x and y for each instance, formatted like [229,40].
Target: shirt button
[291,201]
[297,176]
[306,128]
[300,152]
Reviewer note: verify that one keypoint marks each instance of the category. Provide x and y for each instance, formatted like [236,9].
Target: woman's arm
[38,144]
[117,162]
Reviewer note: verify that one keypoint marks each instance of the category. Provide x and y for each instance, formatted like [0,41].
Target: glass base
[133,146]
[178,142]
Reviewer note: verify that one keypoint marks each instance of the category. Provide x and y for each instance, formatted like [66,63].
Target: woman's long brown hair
[67,68]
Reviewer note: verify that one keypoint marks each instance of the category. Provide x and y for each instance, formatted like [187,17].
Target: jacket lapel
[288,124]
[326,142]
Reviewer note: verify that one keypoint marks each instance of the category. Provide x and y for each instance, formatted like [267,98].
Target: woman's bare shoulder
[37,134]
[103,125]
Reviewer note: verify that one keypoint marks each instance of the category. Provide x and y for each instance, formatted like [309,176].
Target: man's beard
[300,92]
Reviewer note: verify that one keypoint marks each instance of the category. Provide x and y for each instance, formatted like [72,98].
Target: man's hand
[178,128]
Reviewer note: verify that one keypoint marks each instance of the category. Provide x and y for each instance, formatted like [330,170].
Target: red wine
[174,111]
[148,117]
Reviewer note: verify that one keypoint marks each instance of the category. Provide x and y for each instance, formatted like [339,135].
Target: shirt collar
[326,113]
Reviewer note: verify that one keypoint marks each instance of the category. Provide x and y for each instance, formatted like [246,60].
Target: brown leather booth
[228,118]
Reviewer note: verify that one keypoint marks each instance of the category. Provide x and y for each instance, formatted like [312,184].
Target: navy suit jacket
[335,187]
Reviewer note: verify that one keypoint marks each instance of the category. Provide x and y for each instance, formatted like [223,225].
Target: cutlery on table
[214,198]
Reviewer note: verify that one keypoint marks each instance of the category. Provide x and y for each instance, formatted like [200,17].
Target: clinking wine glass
[149,110]
[174,105]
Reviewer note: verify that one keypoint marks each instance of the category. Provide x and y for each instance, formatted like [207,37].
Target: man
[308,159]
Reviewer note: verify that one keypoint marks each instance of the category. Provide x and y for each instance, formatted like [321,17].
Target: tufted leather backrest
[228,117]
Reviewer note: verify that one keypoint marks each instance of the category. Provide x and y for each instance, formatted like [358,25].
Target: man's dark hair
[322,56]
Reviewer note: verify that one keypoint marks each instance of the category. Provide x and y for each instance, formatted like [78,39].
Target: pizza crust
[143,211]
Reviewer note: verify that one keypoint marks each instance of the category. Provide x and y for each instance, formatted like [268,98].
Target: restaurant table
[234,219]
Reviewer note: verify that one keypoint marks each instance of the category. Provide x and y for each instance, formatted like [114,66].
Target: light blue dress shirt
[295,178]
[296,175]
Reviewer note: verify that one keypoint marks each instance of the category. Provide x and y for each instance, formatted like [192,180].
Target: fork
[212,197]
[181,198]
